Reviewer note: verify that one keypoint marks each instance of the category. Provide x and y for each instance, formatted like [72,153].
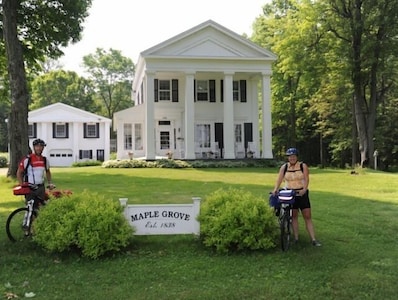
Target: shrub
[233,220]
[87,163]
[85,221]
[3,162]
[175,163]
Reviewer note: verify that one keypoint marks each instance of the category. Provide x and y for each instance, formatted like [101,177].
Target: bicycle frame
[285,223]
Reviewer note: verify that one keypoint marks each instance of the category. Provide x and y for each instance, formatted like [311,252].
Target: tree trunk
[18,120]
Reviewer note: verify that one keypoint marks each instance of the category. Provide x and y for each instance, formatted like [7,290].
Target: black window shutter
[80,154]
[222,90]
[84,130]
[156,83]
[67,130]
[194,90]
[91,154]
[97,135]
[212,86]
[174,89]
[34,129]
[243,97]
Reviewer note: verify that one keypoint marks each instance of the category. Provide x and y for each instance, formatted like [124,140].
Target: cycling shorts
[302,202]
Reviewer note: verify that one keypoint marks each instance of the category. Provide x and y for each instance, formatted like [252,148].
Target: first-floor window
[238,133]
[138,137]
[85,154]
[202,135]
[128,139]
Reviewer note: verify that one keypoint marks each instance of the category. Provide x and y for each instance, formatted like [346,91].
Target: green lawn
[355,218]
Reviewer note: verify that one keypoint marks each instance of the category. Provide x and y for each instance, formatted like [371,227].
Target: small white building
[203,93]
[71,134]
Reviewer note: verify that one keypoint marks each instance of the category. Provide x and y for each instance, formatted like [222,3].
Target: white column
[107,140]
[150,151]
[255,113]
[189,116]
[266,110]
[229,134]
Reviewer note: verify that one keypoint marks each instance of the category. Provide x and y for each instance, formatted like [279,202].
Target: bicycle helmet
[39,142]
[292,151]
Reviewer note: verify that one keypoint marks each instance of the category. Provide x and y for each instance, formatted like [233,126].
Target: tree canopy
[336,65]
[112,75]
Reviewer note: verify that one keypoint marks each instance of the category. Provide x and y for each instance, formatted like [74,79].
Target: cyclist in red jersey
[33,169]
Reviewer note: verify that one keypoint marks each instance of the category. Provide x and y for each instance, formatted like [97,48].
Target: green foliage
[111,74]
[180,164]
[234,219]
[84,221]
[87,163]
[3,161]
[63,86]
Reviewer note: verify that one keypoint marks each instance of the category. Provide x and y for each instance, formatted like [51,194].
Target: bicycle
[19,222]
[283,204]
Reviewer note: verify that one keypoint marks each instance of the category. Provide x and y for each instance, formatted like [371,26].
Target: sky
[133,26]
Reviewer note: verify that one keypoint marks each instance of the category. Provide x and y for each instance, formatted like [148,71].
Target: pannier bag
[23,189]
[273,201]
[286,196]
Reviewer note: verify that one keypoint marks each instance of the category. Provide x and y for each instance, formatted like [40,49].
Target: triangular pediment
[208,39]
[60,112]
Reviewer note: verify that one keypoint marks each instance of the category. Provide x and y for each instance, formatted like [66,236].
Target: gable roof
[61,112]
[208,39]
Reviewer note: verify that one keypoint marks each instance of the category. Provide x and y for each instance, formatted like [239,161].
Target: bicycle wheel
[285,231]
[14,226]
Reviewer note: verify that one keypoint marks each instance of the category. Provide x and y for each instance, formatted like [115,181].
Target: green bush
[87,163]
[3,162]
[234,220]
[85,221]
[178,164]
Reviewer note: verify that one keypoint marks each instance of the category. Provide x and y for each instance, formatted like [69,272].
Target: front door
[165,138]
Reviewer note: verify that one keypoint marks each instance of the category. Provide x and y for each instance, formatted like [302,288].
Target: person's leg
[309,225]
[308,222]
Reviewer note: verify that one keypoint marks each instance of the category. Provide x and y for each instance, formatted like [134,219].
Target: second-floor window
[60,130]
[205,90]
[166,90]
[32,130]
[91,130]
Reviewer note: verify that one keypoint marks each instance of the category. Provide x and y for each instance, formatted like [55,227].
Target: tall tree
[111,74]
[368,30]
[32,30]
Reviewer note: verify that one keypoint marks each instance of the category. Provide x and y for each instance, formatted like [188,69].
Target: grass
[354,218]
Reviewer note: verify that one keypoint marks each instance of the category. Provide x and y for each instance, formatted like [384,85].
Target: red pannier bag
[23,189]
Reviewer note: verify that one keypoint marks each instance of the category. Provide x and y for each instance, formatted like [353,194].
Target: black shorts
[302,202]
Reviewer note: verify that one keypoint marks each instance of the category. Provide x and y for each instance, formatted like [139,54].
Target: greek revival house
[204,93]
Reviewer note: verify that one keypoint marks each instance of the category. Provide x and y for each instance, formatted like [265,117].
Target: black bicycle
[19,222]
[283,204]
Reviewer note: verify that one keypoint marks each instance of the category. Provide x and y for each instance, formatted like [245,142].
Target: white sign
[163,218]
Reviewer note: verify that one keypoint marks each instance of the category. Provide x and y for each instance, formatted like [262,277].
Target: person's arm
[306,180]
[49,178]
[20,175]
[279,179]
[20,172]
